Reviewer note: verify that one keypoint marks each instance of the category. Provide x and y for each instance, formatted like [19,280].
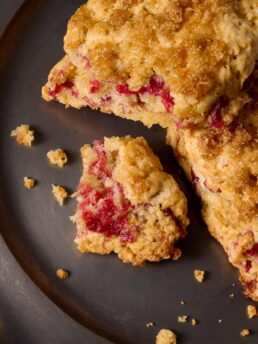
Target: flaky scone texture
[202,50]
[222,165]
[127,204]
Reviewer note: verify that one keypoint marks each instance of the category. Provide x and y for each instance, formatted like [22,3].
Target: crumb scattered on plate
[60,193]
[62,274]
[24,135]
[232,295]
[57,157]
[194,322]
[29,183]
[182,302]
[251,311]
[166,337]
[199,275]
[220,321]
[150,324]
[245,332]
[182,318]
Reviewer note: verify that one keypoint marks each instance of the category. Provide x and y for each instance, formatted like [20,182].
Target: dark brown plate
[106,296]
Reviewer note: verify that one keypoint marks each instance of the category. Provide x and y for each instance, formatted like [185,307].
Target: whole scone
[222,164]
[157,60]
[127,204]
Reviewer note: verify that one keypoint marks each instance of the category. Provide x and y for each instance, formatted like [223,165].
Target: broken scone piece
[222,164]
[57,157]
[60,193]
[24,135]
[62,274]
[127,204]
[155,61]
[166,337]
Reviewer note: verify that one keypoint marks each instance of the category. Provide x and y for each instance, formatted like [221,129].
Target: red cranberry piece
[215,117]
[95,85]
[253,252]
[156,85]
[124,89]
[167,101]
[248,265]
[58,88]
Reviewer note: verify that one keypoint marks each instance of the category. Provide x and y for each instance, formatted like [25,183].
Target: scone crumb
[60,193]
[232,295]
[150,324]
[199,275]
[62,274]
[251,311]
[245,332]
[29,183]
[220,321]
[24,135]
[194,322]
[233,284]
[182,303]
[182,318]
[57,157]
[166,337]
[177,254]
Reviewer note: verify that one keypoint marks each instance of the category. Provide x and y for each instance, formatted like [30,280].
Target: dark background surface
[112,299]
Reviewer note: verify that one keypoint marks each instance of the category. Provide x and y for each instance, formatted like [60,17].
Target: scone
[127,204]
[155,60]
[222,165]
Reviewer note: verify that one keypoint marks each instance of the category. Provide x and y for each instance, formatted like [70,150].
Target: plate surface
[110,298]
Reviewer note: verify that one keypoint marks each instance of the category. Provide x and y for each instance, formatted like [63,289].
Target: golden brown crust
[202,49]
[155,214]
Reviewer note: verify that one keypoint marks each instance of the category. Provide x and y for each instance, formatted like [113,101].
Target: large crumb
[60,193]
[166,337]
[57,157]
[24,136]
[199,275]
[182,318]
[245,332]
[29,183]
[251,311]
[62,274]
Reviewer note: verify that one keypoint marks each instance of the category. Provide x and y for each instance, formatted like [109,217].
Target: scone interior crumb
[166,337]
[245,332]
[57,157]
[60,193]
[62,274]
[24,135]
[199,275]
[251,311]
[182,318]
[29,183]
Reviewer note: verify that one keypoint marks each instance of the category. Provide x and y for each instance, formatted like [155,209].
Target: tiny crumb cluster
[62,274]
[245,332]
[60,193]
[166,337]
[57,157]
[29,183]
[24,135]
[199,275]
[251,311]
